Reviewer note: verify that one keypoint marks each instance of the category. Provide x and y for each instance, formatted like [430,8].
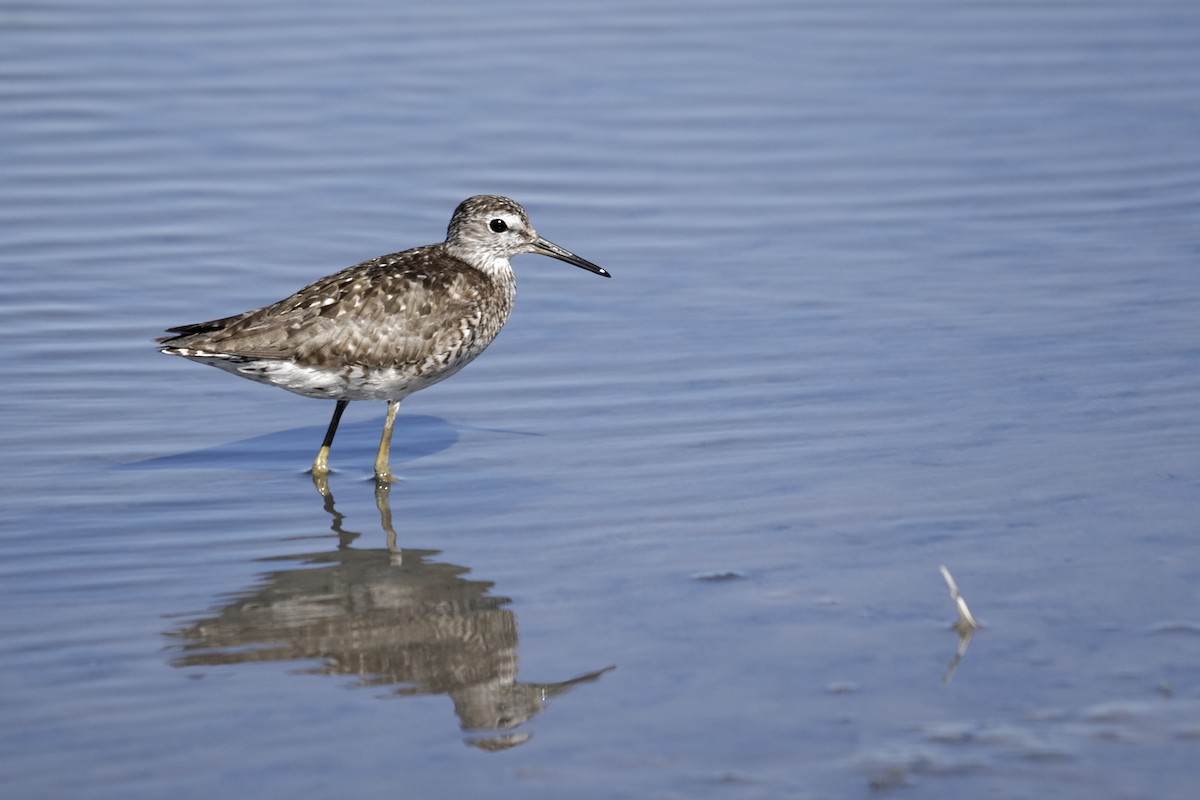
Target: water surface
[895,286]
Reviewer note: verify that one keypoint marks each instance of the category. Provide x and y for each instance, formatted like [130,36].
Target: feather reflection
[389,617]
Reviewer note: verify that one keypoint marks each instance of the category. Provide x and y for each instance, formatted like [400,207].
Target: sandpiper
[385,328]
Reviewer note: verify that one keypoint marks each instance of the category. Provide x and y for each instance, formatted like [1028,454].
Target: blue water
[895,286]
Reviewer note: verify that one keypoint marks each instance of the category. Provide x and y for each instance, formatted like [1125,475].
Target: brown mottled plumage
[385,328]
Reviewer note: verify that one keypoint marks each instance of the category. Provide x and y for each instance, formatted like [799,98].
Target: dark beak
[545,248]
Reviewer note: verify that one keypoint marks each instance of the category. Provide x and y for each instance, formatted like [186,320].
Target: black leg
[321,462]
[333,423]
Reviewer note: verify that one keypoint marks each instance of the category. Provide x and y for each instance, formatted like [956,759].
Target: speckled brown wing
[421,309]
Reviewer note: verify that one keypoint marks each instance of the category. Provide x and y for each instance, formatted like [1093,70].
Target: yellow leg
[382,473]
[321,463]
[321,483]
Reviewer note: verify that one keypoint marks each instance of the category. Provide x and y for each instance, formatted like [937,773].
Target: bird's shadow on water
[416,436]
[388,617]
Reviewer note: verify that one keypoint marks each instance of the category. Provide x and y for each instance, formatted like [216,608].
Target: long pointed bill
[545,248]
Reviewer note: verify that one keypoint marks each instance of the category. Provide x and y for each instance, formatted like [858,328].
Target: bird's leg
[320,467]
[382,473]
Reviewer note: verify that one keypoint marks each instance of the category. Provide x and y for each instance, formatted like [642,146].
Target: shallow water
[895,286]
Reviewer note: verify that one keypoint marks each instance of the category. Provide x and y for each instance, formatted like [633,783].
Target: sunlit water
[895,285]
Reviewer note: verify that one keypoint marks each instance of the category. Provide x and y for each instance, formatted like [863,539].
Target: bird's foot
[320,472]
[321,482]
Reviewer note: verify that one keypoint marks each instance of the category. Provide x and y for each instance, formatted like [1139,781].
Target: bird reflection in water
[389,617]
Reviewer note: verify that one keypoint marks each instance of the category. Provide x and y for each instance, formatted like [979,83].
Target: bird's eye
[498,226]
